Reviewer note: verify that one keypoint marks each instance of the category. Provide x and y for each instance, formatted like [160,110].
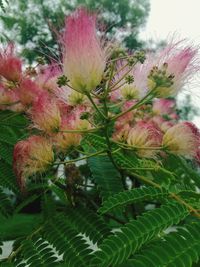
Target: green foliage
[186,109]
[180,248]
[67,241]
[117,248]
[18,225]
[6,205]
[132,196]
[82,235]
[105,176]
[37,252]
[88,223]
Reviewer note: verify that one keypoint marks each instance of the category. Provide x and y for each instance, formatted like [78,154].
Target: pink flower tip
[83,57]
[10,65]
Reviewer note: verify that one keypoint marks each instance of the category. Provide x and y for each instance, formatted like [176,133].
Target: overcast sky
[176,16]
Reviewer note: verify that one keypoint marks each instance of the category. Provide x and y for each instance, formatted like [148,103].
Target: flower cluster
[93,91]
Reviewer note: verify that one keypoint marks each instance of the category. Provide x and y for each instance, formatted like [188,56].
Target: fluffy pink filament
[31,156]
[28,92]
[180,59]
[182,139]
[10,65]
[45,114]
[84,58]
[144,136]
[47,78]
[163,106]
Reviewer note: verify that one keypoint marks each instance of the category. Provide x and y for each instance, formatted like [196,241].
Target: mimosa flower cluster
[92,90]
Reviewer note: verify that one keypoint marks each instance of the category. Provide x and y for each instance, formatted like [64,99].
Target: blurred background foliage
[35,24]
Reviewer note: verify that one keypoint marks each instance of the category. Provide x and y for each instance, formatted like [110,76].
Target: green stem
[109,151]
[148,97]
[78,159]
[172,195]
[81,131]
[95,106]
[123,76]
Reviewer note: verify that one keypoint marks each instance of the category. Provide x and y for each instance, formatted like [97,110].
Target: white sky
[176,16]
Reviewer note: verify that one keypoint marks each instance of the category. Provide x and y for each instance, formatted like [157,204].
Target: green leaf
[7,178]
[118,247]
[6,206]
[67,241]
[132,196]
[105,176]
[36,252]
[88,223]
[180,249]
[18,225]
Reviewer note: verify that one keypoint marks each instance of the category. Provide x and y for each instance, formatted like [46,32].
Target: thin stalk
[138,147]
[118,86]
[78,159]
[95,106]
[109,151]
[148,97]
[172,195]
[123,76]
[81,131]
[10,104]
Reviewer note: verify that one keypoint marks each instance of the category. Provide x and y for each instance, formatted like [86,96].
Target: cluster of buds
[60,99]
[159,81]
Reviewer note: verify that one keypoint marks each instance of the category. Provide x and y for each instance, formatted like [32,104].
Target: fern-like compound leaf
[177,249]
[105,175]
[5,204]
[37,252]
[118,247]
[88,223]
[132,196]
[68,242]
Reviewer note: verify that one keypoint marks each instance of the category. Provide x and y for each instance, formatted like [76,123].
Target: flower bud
[84,58]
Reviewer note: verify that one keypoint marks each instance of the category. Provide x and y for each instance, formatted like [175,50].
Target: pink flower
[163,106]
[7,96]
[31,156]
[182,139]
[137,88]
[174,60]
[9,100]
[145,137]
[166,125]
[45,114]
[47,78]
[83,58]
[158,120]
[10,65]
[65,140]
[121,133]
[28,92]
